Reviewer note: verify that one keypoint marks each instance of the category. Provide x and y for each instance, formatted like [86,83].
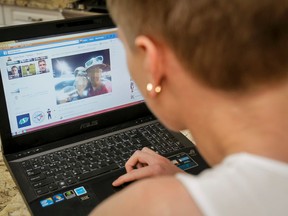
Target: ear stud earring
[158,89]
[149,88]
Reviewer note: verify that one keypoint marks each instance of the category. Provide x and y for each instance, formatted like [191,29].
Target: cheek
[166,114]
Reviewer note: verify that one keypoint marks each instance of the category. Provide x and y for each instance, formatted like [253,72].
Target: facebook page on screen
[50,81]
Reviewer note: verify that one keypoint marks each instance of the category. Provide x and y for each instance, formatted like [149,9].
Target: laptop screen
[60,79]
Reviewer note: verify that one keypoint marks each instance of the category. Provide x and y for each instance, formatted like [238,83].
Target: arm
[154,196]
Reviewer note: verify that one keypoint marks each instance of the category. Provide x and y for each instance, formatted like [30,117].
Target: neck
[251,123]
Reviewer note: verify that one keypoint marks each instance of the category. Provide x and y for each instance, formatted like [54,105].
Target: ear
[152,54]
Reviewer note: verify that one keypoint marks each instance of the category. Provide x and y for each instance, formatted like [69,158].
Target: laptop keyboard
[71,165]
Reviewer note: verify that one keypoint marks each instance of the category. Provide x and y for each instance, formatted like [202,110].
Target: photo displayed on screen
[81,76]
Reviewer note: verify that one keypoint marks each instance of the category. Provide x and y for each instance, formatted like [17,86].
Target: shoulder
[241,170]
[241,180]
[104,88]
[167,194]
[149,197]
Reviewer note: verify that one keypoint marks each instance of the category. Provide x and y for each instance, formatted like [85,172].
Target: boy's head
[94,75]
[14,70]
[227,44]
[42,65]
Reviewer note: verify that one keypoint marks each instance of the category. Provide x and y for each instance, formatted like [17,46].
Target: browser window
[51,81]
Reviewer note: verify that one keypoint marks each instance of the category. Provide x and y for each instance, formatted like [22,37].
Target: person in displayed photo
[219,69]
[132,87]
[81,82]
[42,65]
[49,114]
[28,70]
[97,87]
[15,73]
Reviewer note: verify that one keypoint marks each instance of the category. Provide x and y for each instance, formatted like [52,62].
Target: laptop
[71,115]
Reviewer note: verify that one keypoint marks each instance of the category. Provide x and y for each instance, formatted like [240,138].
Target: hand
[146,163]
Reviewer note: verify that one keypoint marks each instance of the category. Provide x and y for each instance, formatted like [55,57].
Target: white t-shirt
[243,184]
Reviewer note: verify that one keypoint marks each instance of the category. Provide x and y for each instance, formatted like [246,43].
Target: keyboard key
[62,184]
[37,178]
[71,181]
[41,191]
[53,187]
[43,183]
[34,172]
[97,172]
[59,177]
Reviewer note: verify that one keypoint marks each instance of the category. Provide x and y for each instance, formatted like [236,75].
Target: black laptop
[71,115]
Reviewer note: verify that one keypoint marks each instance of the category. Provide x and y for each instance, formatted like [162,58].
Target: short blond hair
[227,44]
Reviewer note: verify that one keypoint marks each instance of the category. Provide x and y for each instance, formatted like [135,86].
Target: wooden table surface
[11,202]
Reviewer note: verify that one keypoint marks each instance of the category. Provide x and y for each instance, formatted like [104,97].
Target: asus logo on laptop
[88,124]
